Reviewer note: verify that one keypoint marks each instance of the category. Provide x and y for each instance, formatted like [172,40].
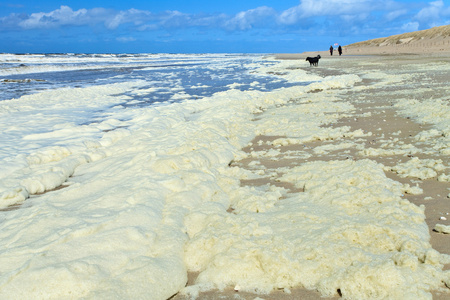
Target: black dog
[313,61]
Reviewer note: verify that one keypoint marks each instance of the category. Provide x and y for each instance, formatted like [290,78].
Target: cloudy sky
[186,26]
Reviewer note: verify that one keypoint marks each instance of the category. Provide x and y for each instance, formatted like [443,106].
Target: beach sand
[376,111]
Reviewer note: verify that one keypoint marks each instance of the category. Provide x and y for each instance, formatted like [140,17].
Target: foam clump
[419,168]
[350,232]
[441,228]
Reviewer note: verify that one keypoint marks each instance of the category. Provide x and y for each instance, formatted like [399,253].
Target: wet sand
[375,112]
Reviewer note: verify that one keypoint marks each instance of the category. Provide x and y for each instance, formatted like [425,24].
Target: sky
[207,26]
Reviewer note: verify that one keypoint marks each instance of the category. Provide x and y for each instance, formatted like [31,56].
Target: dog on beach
[313,61]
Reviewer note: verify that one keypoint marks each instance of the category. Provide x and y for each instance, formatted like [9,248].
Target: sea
[163,79]
[24,74]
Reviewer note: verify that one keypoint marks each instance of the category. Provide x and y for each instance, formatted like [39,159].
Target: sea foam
[147,200]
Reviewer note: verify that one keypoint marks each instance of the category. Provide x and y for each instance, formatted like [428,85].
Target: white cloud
[126,39]
[431,13]
[174,19]
[62,16]
[395,14]
[291,15]
[132,15]
[12,20]
[247,19]
[410,26]
[314,8]
[65,16]
[358,18]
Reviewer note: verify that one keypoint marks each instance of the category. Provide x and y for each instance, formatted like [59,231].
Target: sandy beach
[397,139]
[270,179]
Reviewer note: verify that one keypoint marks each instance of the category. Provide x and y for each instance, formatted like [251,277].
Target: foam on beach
[147,195]
[349,231]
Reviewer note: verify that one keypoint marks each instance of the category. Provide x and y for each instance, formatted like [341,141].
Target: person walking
[331,50]
[340,50]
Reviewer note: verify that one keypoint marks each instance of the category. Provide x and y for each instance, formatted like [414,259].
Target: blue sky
[198,26]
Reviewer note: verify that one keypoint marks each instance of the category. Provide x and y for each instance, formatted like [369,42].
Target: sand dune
[434,40]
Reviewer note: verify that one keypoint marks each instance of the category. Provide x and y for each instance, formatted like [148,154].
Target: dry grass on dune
[436,39]
[409,37]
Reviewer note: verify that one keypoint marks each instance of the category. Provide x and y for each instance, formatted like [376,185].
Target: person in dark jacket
[340,50]
[331,50]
